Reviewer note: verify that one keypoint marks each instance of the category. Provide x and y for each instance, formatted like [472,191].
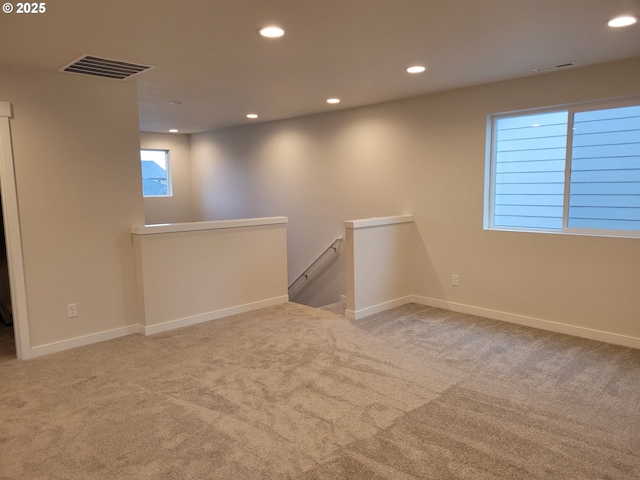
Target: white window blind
[572,170]
[605,170]
[530,157]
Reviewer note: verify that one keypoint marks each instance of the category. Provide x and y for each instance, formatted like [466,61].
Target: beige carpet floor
[300,393]
[338,308]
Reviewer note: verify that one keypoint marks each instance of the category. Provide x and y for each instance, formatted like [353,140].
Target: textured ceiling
[207,53]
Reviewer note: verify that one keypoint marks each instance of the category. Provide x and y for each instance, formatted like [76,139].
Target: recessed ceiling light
[416,69]
[333,100]
[622,21]
[173,130]
[271,31]
[176,102]
[252,115]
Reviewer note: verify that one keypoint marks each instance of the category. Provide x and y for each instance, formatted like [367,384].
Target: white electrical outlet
[455,280]
[72,310]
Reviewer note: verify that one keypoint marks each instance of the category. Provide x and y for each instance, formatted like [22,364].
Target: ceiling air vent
[551,68]
[104,67]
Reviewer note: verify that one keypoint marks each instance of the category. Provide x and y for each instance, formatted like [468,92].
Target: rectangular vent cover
[104,67]
[550,68]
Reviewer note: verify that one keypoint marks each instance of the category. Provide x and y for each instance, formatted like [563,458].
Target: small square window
[156,173]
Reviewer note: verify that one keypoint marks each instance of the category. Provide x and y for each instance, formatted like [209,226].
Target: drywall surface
[318,171]
[588,282]
[79,190]
[195,274]
[378,256]
[178,207]
[426,156]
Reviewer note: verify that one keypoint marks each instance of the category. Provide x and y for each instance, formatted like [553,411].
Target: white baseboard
[55,347]
[365,312]
[583,332]
[205,317]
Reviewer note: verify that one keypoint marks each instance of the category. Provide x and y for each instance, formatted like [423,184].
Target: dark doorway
[7,339]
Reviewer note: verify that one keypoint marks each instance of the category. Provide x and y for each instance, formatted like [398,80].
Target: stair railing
[332,246]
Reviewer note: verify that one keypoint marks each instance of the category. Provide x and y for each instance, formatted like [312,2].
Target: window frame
[490,168]
[167,154]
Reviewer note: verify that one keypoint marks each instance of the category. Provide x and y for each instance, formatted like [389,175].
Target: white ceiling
[208,54]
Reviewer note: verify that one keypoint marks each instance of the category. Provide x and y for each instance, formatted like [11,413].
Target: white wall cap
[5,109]
[378,221]
[210,225]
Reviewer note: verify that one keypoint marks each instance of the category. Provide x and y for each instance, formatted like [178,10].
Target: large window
[571,170]
[156,174]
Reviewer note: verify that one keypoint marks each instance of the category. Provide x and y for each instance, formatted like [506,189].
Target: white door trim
[13,236]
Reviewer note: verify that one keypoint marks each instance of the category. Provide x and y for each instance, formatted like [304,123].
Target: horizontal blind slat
[609,113]
[628,225]
[607,138]
[532,132]
[532,143]
[605,201]
[605,176]
[529,167]
[605,151]
[617,188]
[607,125]
[532,177]
[531,155]
[515,199]
[605,163]
[541,189]
[528,222]
[606,213]
[529,211]
[542,119]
